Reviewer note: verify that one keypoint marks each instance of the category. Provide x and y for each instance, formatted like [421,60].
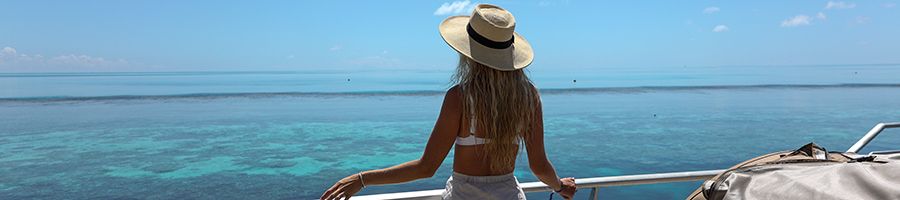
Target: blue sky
[44,36]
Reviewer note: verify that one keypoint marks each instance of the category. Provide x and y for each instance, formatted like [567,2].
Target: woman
[492,109]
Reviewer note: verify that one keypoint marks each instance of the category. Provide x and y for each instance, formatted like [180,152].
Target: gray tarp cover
[860,180]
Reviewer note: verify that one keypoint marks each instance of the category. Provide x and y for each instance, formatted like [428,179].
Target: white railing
[595,183]
[871,135]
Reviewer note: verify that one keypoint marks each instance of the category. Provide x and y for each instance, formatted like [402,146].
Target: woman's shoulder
[537,92]
[453,101]
[455,90]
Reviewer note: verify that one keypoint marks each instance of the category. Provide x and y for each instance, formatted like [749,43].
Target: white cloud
[711,10]
[862,19]
[720,28]
[7,51]
[336,48]
[10,57]
[82,60]
[456,7]
[839,5]
[381,59]
[798,20]
[821,16]
[888,5]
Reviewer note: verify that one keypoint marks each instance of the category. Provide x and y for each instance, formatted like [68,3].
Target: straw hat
[489,38]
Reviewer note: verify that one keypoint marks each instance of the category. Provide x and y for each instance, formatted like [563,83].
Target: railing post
[594,192]
[871,135]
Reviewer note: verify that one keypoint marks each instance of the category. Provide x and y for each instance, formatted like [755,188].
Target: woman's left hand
[343,189]
[568,188]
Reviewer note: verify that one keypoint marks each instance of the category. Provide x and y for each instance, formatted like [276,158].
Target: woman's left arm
[442,138]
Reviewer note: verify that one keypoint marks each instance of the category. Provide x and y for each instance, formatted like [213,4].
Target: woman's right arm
[537,158]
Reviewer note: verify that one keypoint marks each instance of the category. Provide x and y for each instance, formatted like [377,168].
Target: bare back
[470,159]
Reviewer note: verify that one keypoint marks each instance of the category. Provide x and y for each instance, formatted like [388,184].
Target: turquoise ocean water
[290,135]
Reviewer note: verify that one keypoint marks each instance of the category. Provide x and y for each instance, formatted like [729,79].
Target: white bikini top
[471,140]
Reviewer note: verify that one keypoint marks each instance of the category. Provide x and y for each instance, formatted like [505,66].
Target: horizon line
[551,91]
[415,69]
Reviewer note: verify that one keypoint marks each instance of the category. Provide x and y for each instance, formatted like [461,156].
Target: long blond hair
[503,104]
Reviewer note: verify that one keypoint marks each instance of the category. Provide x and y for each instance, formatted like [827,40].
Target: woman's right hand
[344,189]
[568,188]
